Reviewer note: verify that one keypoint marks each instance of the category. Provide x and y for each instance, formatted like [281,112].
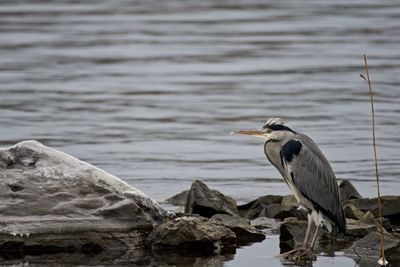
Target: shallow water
[150,90]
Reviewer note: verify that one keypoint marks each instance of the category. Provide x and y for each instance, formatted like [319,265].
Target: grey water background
[150,90]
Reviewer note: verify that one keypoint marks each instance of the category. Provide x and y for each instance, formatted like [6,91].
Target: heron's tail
[341,221]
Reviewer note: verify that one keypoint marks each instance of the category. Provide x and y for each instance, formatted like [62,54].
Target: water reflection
[259,254]
[114,258]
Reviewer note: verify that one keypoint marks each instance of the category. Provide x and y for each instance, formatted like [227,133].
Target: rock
[178,199]
[357,228]
[293,231]
[369,218]
[289,202]
[360,224]
[386,223]
[289,208]
[206,202]
[266,223]
[348,191]
[54,202]
[266,206]
[300,214]
[192,234]
[245,233]
[352,212]
[390,207]
[369,247]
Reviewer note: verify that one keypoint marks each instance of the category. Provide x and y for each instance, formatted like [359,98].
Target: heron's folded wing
[315,179]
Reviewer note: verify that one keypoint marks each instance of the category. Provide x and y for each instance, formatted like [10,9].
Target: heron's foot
[300,254]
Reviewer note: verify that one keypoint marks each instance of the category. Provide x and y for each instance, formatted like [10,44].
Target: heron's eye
[267,130]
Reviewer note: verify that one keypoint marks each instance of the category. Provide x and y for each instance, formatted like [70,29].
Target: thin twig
[382,259]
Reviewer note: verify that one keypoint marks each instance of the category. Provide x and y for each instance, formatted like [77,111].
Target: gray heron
[308,174]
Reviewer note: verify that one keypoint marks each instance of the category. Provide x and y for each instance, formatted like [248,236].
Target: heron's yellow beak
[249,132]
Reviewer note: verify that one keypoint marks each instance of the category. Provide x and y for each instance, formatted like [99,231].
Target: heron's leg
[310,219]
[315,237]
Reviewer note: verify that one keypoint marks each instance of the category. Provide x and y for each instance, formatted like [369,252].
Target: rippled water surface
[150,90]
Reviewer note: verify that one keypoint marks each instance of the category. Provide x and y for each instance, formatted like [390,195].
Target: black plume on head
[276,124]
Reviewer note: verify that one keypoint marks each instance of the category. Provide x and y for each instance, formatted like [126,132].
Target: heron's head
[273,130]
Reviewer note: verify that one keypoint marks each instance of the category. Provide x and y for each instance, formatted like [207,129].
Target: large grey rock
[207,202]
[390,207]
[370,245]
[192,234]
[245,233]
[51,200]
[267,206]
[348,191]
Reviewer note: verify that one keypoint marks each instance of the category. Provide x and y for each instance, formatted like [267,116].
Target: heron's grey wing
[315,179]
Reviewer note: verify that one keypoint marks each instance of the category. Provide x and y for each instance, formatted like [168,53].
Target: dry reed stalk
[382,260]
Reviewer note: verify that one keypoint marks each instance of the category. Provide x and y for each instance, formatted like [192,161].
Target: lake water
[150,90]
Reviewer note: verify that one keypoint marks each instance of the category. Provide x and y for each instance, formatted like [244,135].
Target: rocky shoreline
[280,213]
[53,203]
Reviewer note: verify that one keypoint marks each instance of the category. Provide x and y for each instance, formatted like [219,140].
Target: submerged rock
[207,202]
[370,245]
[53,201]
[245,232]
[348,191]
[193,234]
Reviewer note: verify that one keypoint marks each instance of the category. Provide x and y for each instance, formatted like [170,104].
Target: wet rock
[348,191]
[293,231]
[266,206]
[245,233]
[207,202]
[266,223]
[178,199]
[390,207]
[52,201]
[357,228]
[289,208]
[369,246]
[192,234]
